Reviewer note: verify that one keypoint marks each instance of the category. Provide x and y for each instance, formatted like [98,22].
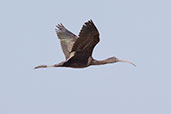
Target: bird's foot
[41,66]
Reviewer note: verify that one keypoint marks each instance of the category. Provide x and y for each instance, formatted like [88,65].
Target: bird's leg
[48,66]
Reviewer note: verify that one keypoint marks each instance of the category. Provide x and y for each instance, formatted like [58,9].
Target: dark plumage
[78,50]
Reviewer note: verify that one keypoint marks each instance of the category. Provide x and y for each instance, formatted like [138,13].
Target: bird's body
[78,49]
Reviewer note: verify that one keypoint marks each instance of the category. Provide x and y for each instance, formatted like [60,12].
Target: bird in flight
[78,49]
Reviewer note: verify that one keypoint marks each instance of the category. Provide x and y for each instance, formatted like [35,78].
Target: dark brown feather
[87,40]
[84,45]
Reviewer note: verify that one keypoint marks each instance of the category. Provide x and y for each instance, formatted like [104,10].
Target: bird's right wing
[87,40]
[67,39]
[84,45]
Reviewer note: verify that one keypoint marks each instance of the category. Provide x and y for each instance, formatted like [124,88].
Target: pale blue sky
[135,30]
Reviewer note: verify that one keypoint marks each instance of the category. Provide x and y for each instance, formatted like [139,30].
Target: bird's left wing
[67,39]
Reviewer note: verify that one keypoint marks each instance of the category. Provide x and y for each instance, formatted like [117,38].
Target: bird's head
[114,59]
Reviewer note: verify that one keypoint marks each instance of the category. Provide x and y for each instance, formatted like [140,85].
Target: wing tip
[89,25]
[90,21]
[59,26]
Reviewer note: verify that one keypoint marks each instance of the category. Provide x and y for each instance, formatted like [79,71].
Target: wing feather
[67,39]
[84,45]
[88,38]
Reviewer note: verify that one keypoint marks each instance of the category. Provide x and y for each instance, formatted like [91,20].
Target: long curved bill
[120,60]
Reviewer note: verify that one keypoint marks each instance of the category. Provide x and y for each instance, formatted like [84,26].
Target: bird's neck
[101,62]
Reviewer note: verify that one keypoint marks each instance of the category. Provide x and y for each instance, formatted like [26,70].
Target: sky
[134,30]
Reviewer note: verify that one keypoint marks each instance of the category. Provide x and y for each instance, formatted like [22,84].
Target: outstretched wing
[67,39]
[84,45]
[88,38]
